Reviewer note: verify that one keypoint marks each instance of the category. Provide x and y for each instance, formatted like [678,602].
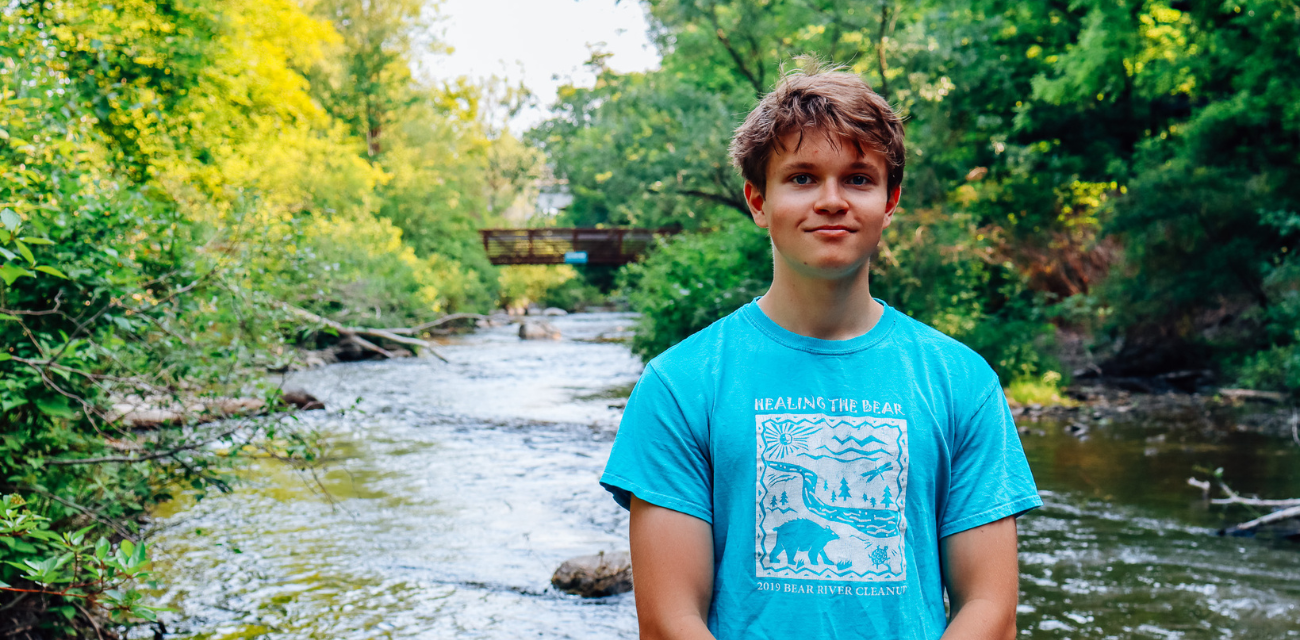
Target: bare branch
[58,302]
[731,50]
[421,328]
[221,484]
[730,201]
[153,456]
[887,19]
[1258,502]
[355,333]
[1276,516]
[91,513]
[41,369]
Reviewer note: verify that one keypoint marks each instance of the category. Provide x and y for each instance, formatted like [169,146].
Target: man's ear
[754,198]
[892,204]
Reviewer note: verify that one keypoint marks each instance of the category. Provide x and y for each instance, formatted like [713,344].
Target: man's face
[825,205]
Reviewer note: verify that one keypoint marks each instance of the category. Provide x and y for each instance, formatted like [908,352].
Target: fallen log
[156,411]
[355,333]
[1276,516]
[421,328]
[1256,502]
[1291,506]
[1253,394]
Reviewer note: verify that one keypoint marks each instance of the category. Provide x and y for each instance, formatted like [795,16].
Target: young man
[816,464]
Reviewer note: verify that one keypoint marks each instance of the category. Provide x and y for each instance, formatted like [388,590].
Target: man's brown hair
[830,101]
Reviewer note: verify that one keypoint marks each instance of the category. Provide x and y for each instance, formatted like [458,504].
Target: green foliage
[692,280]
[525,285]
[449,167]
[643,150]
[168,181]
[1115,163]
[1043,390]
[73,572]
[1276,368]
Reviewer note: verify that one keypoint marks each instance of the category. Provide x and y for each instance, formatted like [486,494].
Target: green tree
[844,489]
[169,182]
[369,84]
[1120,168]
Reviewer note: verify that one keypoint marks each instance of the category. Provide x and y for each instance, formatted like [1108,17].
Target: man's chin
[830,267]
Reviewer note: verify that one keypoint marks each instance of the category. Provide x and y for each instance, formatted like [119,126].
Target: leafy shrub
[691,280]
[1276,362]
[523,285]
[1277,368]
[78,574]
[1042,390]
[575,294]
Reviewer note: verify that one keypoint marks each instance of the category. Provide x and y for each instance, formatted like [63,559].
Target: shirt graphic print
[831,496]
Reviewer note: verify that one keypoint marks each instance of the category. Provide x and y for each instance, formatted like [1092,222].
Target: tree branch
[731,50]
[1257,502]
[886,27]
[153,456]
[355,333]
[1276,516]
[58,302]
[420,328]
[94,515]
[735,203]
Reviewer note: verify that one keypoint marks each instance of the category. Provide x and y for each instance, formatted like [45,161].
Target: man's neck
[829,309]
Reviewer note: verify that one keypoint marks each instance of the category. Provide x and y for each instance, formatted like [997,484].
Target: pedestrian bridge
[615,246]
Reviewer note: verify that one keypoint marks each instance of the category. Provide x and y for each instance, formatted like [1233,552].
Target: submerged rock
[538,330]
[595,576]
[302,400]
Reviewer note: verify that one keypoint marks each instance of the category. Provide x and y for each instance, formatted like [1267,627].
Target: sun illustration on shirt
[785,437]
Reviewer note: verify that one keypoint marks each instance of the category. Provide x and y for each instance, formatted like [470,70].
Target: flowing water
[457,489]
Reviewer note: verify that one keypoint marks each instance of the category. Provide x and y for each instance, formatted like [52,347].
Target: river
[456,489]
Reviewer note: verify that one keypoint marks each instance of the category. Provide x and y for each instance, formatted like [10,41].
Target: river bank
[1233,410]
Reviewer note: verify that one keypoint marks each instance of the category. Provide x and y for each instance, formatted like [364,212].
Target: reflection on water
[462,486]
[1125,548]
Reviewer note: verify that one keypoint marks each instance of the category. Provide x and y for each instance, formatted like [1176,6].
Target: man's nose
[830,198]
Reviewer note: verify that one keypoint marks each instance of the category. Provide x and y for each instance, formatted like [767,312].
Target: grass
[1044,390]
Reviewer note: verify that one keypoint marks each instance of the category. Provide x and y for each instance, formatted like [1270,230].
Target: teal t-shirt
[829,469]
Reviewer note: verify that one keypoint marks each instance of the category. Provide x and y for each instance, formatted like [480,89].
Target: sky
[544,43]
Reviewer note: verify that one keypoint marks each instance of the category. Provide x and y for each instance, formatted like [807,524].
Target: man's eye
[859,181]
[802,179]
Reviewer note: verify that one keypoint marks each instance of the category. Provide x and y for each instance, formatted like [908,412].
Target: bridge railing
[550,246]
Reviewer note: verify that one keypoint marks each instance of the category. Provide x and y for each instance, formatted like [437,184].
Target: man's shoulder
[930,344]
[702,352]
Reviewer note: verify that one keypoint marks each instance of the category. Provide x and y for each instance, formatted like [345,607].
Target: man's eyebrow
[874,170]
[805,166]
[797,166]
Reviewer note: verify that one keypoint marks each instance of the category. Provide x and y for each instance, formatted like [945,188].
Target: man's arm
[672,572]
[981,570]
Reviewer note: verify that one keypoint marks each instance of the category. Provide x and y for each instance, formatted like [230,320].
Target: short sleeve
[989,475]
[661,452]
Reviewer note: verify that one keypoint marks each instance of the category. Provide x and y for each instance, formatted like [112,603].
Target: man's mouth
[832,230]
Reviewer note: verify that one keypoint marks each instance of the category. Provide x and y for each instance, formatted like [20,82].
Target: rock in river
[596,576]
[301,399]
[538,330]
